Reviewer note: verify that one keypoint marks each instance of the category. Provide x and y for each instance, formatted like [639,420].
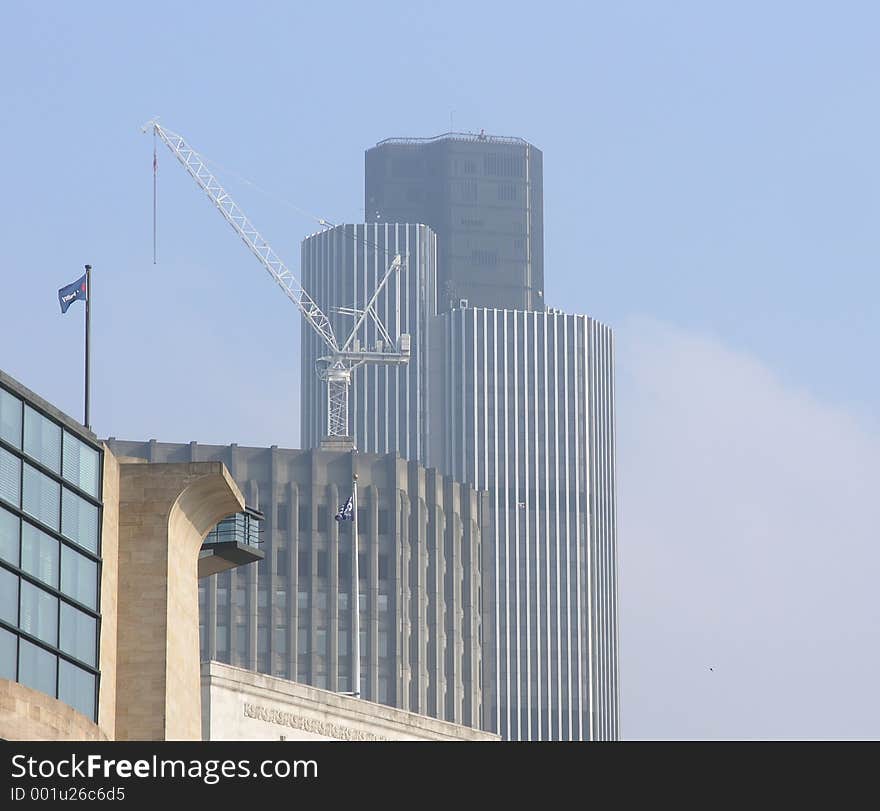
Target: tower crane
[337,366]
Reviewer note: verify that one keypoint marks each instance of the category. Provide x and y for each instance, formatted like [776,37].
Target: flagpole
[88,331]
[356,642]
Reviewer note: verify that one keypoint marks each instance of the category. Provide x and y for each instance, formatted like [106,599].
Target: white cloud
[748,543]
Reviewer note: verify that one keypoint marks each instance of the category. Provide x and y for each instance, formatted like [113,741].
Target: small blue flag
[67,295]
[345,511]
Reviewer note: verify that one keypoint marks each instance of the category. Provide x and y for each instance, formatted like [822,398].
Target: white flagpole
[356,642]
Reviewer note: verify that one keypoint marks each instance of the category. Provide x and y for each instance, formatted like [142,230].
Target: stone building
[291,616]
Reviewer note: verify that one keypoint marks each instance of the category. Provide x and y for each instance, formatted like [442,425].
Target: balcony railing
[244,528]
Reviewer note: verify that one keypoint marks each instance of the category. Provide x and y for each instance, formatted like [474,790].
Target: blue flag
[344,513]
[67,295]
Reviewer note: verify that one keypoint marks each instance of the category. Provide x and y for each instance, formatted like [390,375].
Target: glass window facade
[50,566]
[42,439]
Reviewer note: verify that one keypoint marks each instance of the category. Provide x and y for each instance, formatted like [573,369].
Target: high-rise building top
[483,196]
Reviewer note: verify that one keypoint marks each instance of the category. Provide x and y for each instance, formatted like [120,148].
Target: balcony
[235,541]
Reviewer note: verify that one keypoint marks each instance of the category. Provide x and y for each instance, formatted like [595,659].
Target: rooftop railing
[475,137]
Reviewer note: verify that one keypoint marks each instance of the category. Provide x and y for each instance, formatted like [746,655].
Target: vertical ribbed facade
[528,415]
[291,615]
[342,267]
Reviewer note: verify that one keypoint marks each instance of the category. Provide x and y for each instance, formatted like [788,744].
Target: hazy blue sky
[711,190]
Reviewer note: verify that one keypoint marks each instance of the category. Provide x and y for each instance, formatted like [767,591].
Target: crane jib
[337,367]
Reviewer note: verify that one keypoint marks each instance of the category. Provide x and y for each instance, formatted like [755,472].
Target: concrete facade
[241,705]
[165,512]
[420,543]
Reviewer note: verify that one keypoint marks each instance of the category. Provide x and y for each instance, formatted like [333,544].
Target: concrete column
[165,511]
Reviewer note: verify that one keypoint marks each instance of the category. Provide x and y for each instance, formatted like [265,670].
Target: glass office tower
[50,549]
[483,197]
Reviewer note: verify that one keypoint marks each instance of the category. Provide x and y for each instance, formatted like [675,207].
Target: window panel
[78,634]
[8,596]
[36,667]
[10,478]
[41,497]
[76,687]
[10,418]
[8,656]
[42,439]
[39,554]
[79,520]
[79,577]
[9,534]
[39,613]
[81,464]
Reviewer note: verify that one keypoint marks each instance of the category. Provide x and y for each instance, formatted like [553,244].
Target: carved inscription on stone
[313,725]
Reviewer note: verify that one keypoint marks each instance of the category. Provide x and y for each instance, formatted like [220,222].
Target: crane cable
[155,177]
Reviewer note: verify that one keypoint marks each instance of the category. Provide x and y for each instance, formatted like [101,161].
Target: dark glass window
[303,561]
[384,523]
[303,520]
[78,634]
[79,520]
[322,519]
[344,566]
[36,667]
[10,478]
[8,597]
[10,418]
[79,577]
[322,563]
[9,535]
[281,561]
[383,567]
[39,613]
[39,554]
[41,497]
[282,522]
[8,656]
[76,687]
[42,439]
[81,465]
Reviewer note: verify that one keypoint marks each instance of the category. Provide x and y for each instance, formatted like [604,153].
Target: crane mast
[336,367]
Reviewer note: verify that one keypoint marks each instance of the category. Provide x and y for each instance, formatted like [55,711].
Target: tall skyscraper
[515,400]
[483,196]
[341,268]
[525,410]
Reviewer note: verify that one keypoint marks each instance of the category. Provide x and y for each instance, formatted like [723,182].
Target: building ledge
[218,557]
